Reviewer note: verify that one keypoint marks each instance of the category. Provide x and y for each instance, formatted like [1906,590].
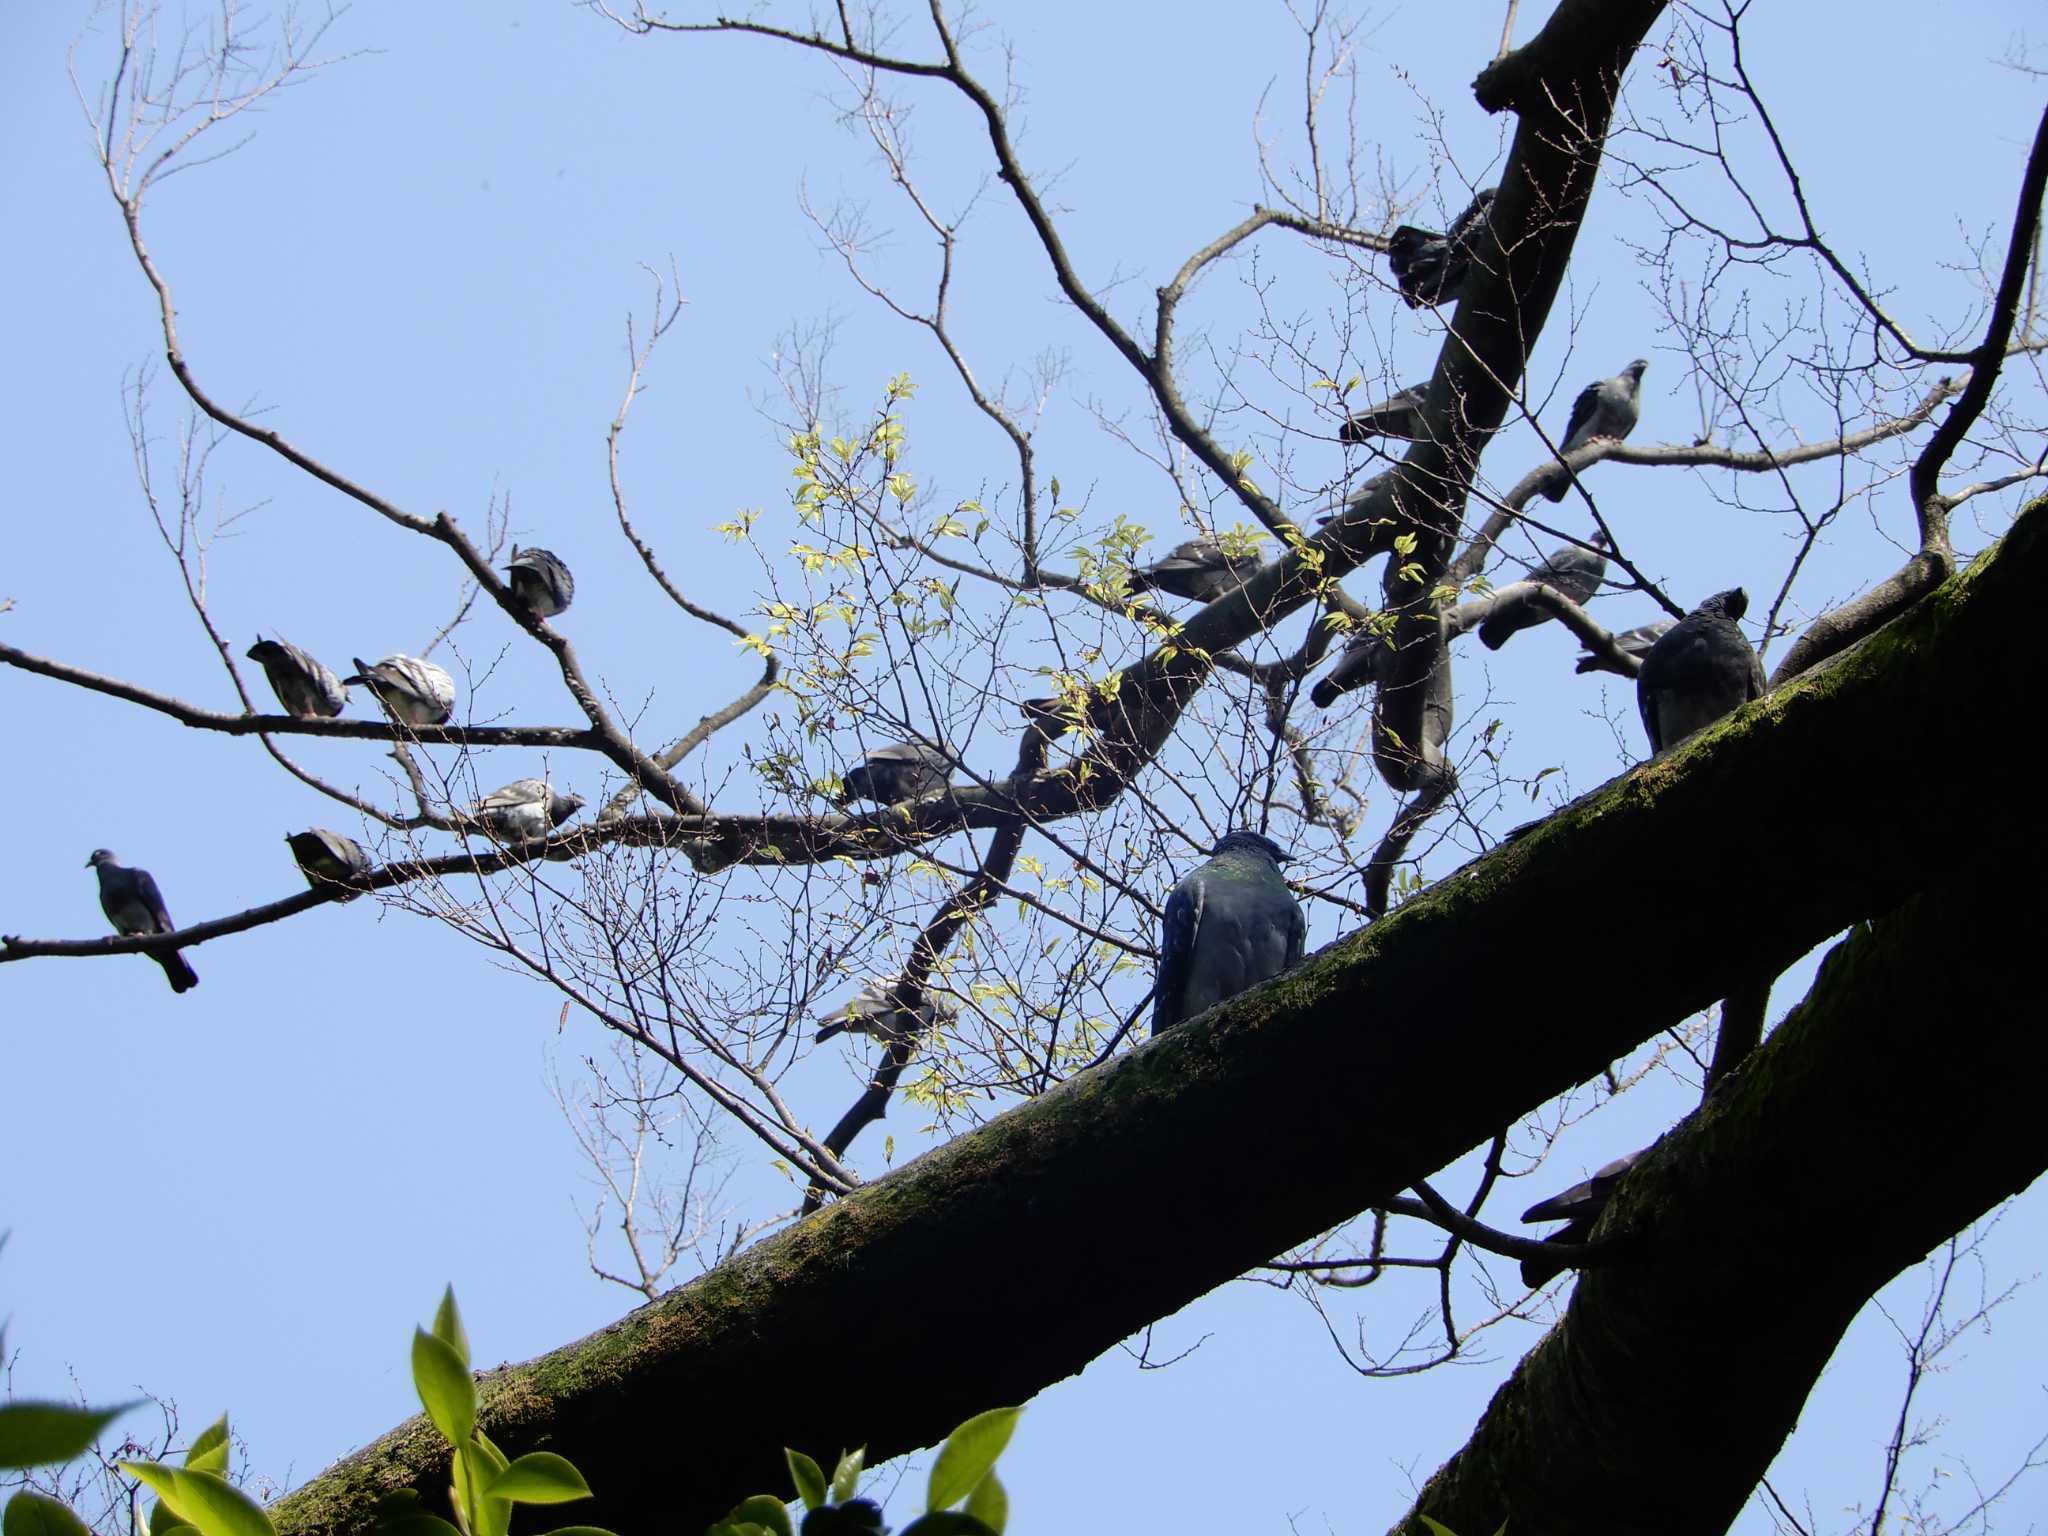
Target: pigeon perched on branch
[1606,409]
[1229,924]
[134,905]
[1399,415]
[415,692]
[1198,570]
[876,1010]
[1633,642]
[1580,1205]
[1573,571]
[329,859]
[1702,669]
[1431,268]
[541,584]
[901,771]
[525,809]
[303,685]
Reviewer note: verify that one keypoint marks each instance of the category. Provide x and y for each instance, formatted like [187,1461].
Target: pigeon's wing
[1756,674]
[144,888]
[1297,932]
[1179,930]
[1583,410]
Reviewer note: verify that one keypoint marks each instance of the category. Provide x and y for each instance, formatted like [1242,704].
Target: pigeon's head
[1635,369]
[261,649]
[1255,841]
[101,856]
[1732,604]
[562,807]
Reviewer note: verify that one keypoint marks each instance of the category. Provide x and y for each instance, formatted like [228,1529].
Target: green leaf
[967,1455]
[946,1522]
[763,1510]
[477,1465]
[810,1482]
[1436,1527]
[209,1452]
[205,1500]
[34,1434]
[448,1326]
[846,1476]
[30,1514]
[539,1477]
[443,1381]
[989,1503]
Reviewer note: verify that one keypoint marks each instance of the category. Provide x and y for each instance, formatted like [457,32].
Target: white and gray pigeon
[1399,415]
[415,692]
[1198,570]
[1363,663]
[1580,1205]
[1229,924]
[1703,668]
[1606,409]
[525,809]
[1431,268]
[329,859]
[903,770]
[540,582]
[134,905]
[876,1010]
[303,684]
[1633,642]
[1574,571]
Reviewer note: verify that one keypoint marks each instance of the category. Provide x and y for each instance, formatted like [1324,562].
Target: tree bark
[1008,1259]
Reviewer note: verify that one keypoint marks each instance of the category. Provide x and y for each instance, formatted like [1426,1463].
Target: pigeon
[329,859]
[874,1010]
[1635,642]
[525,809]
[1606,409]
[1198,570]
[540,582]
[1399,415]
[1230,924]
[133,904]
[1572,571]
[416,692]
[1360,665]
[1580,1205]
[901,771]
[1430,268]
[1703,668]
[302,684]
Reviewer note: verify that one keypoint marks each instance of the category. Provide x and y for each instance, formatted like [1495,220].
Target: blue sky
[420,268]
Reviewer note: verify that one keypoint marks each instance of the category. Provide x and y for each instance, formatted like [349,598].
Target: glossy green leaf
[967,1455]
[163,1520]
[207,1501]
[446,1389]
[990,1503]
[810,1481]
[448,1326]
[1436,1527]
[846,1476]
[477,1465]
[946,1522]
[35,1434]
[765,1511]
[539,1477]
[31,1514]
[209,1452]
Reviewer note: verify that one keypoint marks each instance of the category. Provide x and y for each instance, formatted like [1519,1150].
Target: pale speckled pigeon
[1431,268]
[327,859]
[1399,415]
[1230,924]
[303,685]
[875,1010]
[416,692]
[902,770]
[525,809]
[1573,571]
[1362,663]
[540,582]
[134,905]
[1634,642]
[1198,570]
[1606,409]
[1702,669]
[1580,1205]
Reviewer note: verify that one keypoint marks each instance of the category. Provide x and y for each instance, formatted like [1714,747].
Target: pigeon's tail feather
[178,970]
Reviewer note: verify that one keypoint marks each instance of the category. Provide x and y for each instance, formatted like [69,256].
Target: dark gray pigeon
[133,904]
[1230,924]
[1702,669]
[1606,409]
[302,684]
[1431,268]
[1572,571]
[1360,665]
[540,582]
[875,1010]
[1580,1205]
[900,771]
[329,859]
[1198,570]
[525,809]
[415,692]
[1399,415]
[1635,642]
